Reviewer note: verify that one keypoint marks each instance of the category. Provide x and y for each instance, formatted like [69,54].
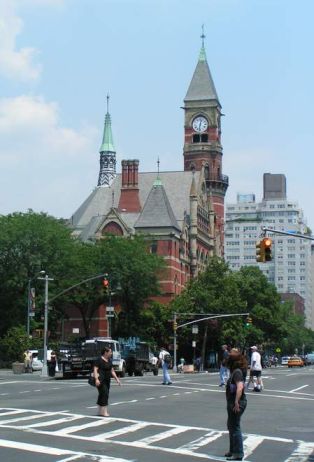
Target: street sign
[109,309]
[110,315]
[31,314]
[193,343]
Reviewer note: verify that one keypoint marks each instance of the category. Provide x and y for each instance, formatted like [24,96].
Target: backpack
[167,358]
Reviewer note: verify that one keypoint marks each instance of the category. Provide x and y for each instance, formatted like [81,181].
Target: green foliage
[30,242]
[133,276]
[13,345]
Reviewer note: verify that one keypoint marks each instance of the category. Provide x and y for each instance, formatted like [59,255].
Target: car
[37,364]
[310,358]
[284,360]
[295,361]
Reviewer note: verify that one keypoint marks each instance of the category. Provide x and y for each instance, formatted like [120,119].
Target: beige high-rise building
[292,265]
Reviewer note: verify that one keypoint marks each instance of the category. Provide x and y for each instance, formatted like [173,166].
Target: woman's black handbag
[92,381]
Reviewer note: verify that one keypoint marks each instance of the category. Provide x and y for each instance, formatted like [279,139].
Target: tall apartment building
[290,268]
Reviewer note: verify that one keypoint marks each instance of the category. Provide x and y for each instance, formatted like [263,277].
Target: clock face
[200,124]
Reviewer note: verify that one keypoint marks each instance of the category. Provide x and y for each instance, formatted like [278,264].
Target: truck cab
[93,347]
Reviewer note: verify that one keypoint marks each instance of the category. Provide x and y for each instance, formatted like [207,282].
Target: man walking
[223,371]
[256,368]
[165,359]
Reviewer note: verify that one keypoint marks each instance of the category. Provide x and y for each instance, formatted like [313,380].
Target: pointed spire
[107,153]
[107,141]
[202,86]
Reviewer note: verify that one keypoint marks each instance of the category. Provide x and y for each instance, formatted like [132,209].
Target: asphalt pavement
[54,420]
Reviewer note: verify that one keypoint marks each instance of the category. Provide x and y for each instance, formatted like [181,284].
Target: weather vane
[203,35]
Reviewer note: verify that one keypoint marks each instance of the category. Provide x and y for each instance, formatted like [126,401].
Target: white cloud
[44,165]
[19,64]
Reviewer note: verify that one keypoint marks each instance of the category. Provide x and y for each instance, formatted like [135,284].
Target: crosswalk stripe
[250,443]
[36,448]
[77,428]
[302,452]
[29,417]
[203,441]
[120,431]
[163,435]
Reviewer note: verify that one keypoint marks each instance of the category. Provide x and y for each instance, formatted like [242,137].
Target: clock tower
[202,136]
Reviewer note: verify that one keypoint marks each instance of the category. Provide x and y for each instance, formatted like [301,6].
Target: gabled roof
[89,216]
[157,211]
[202,86]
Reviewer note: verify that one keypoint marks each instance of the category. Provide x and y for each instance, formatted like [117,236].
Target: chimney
[129,197]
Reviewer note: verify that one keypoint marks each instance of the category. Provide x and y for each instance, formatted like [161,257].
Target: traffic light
[267,248]
[248,322]
[260,251]
[106,282]
[175,325]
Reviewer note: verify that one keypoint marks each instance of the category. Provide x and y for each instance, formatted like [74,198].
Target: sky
[60,58]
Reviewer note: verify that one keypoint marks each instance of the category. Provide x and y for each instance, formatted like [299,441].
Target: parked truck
[138,357]
[79,359]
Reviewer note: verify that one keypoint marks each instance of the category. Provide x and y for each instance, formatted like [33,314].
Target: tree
[133,274]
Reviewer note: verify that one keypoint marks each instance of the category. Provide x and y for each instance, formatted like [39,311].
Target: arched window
[112,228]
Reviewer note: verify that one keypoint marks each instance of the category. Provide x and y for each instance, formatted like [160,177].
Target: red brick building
[181,211]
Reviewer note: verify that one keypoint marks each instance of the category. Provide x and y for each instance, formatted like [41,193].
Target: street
[54,420]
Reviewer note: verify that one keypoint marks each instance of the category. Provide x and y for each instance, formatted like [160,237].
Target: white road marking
[190,449]
[203,441]
[251,443]
[28,417]
[55,451]
[120,431]
[4,394]
[124,402]
[21,392]
[77,428]
[163,435]
[302,452]
[148,399]
[297,389]
[8,383]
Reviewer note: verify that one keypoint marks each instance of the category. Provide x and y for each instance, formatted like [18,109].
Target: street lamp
[30,280]
[44,371]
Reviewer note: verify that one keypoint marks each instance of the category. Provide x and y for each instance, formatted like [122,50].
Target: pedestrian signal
[267,248]
[260,251]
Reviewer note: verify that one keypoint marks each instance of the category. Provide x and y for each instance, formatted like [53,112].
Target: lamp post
[44,371]
[30,280]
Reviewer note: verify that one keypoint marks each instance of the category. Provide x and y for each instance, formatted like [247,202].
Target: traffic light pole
[175,327]
[285,233]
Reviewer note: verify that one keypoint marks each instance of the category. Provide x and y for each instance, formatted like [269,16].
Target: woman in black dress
[103,371]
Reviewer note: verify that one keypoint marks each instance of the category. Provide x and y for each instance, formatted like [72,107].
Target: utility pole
[44,371]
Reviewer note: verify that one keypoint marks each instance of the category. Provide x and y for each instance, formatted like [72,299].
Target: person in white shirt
[165,359]
[256,368]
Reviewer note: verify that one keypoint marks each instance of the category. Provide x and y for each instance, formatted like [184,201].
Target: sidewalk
[8,374]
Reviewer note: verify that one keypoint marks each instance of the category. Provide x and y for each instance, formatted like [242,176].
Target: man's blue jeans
[165,372]
[233,424]
[223,374]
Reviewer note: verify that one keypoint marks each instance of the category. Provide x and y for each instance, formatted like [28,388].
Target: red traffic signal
[267,248]
[106,282]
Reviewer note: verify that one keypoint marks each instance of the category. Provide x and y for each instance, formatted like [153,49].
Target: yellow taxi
[295,361]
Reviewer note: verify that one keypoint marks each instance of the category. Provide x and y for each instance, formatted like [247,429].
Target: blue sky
[59,58]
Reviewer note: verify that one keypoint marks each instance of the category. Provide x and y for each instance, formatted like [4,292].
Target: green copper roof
[202,55]
[107,141]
